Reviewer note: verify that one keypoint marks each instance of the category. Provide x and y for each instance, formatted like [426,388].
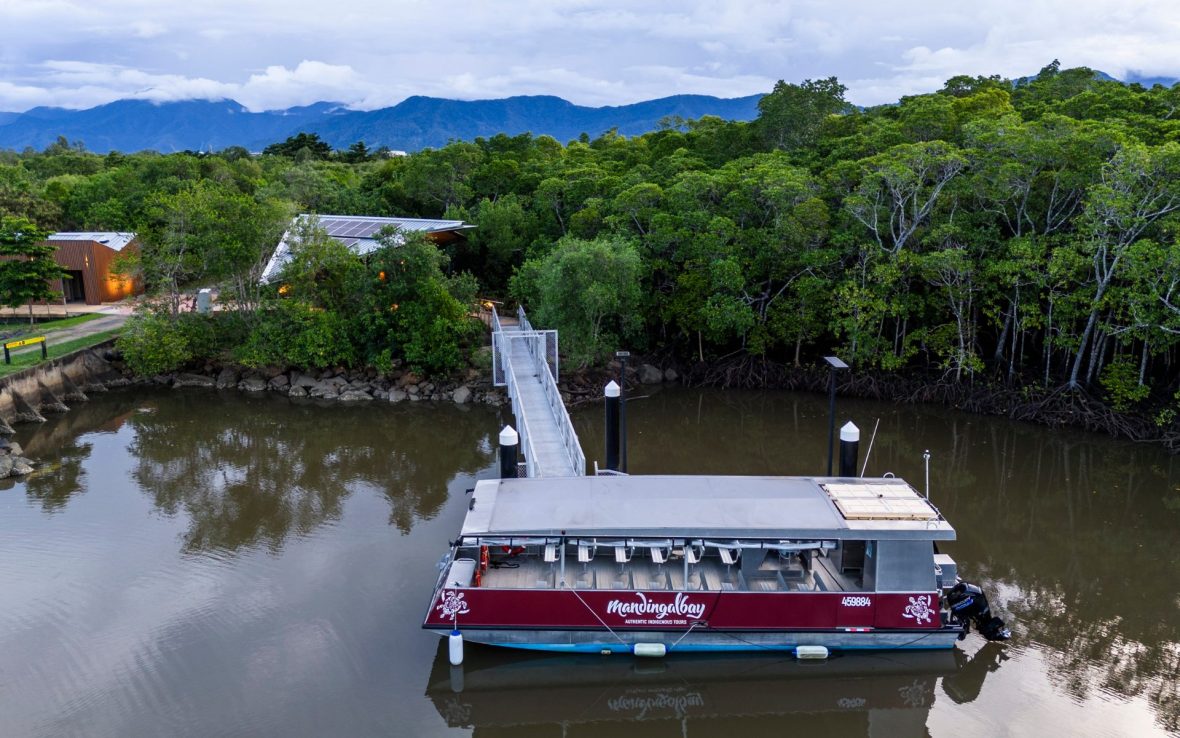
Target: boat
[659,564]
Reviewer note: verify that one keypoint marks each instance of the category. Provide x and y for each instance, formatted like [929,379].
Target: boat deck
[709,574]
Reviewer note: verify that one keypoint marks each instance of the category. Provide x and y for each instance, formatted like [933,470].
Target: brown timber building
[88,257]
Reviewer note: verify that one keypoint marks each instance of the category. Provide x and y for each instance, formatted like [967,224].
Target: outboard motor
[969,604]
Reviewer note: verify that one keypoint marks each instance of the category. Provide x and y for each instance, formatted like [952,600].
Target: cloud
[148,29]
[370,53]
[308,82]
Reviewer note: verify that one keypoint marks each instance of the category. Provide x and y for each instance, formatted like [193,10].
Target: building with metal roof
[87,257]
[359,233]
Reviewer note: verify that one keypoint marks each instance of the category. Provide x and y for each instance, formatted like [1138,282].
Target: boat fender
[650,650]
[478,578]
[484,558]
[811,652]
[455,647]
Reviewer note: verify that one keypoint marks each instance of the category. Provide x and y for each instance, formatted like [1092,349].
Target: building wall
[94,261]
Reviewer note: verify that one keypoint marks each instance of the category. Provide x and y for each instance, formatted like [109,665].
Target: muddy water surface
[201,564]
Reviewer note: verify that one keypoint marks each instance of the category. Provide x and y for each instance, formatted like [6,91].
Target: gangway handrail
[547,376]
[526,446]
[531,463]
[569,438]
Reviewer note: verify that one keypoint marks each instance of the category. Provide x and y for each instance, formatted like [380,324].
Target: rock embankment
[334,384]
[338,384]
[12,462]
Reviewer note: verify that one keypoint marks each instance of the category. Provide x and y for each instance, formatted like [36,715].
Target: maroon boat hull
[545,612]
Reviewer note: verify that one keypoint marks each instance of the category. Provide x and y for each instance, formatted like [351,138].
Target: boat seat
[586,580]
[623,581]
[766,583]
[585,553]
[658,555]
[623,554]
[710,580]
[729,556]
[654,580]
[550,553]
[693,553]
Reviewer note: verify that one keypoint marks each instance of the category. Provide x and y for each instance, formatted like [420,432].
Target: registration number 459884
[856,601]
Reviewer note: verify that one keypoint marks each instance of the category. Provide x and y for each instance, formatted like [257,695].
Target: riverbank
[1055,408]
[335,384]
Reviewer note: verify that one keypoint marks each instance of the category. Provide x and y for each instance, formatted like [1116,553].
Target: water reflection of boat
[884,694]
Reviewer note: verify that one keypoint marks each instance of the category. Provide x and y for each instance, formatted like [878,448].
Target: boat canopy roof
[715,507]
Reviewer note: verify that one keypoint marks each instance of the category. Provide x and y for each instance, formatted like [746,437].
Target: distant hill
[415,123]
[1150,81]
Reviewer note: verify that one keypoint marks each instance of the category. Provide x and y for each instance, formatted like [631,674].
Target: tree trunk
[1084,342]
[998,358]
[1048,344]
[1012,352]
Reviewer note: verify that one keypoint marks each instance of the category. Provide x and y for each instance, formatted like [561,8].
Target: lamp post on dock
[835,365]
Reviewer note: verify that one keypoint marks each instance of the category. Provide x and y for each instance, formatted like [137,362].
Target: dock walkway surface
[526,363]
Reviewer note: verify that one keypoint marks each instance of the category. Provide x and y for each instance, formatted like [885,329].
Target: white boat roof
[718,507]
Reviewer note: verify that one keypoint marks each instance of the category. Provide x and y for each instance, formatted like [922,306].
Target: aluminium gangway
[525,361]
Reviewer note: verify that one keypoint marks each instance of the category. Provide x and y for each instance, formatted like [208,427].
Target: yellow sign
[24,342]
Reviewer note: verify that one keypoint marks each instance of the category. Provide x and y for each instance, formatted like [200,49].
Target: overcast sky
[368,54]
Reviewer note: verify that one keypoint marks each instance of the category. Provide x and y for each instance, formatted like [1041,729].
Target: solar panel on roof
[334,226]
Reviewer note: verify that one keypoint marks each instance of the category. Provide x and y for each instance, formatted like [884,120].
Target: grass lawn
[29,358]
[16,327]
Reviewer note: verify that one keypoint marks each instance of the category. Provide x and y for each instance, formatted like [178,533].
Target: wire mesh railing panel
[542,352]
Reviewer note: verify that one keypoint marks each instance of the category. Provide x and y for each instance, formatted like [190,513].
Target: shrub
[153,344]
[1120,378]
[298,334]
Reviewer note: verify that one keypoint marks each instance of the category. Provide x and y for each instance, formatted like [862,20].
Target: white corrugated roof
[114,240]
[357,232]
[688,506]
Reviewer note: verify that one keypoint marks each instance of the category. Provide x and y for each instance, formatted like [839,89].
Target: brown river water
[193,563]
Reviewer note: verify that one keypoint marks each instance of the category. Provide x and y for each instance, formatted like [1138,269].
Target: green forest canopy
[1022,230]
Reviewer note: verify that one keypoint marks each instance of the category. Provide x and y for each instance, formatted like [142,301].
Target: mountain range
[413,124]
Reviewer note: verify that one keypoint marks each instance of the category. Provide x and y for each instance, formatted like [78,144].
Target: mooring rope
[690,627]
[591,609]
